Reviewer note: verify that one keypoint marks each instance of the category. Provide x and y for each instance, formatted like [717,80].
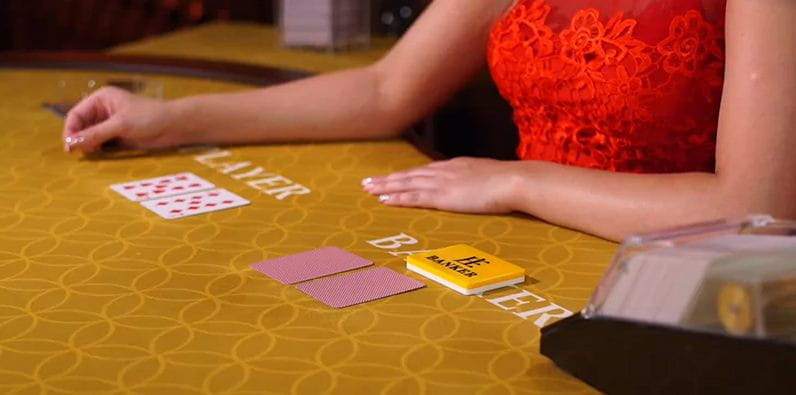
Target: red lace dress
[622,85]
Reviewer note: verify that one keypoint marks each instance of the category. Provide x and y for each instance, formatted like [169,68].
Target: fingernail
[367,181]
[70,141]
[384,198]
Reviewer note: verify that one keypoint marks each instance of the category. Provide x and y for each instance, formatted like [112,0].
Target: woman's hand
[468,185]
[112,114]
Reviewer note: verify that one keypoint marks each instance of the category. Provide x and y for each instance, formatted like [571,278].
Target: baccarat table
[99,295]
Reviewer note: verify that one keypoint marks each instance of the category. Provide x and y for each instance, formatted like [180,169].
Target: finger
[87,112]
[434,169]
[444,164]
[91,139]
[461,162]
[401,185]
[422,199]
[416,172]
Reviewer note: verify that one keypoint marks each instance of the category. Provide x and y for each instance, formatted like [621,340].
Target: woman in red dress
[633,114]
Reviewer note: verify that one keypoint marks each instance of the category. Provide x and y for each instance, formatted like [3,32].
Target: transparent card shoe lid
[733,277]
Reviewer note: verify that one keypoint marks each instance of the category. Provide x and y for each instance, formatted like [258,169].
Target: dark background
[476,122]
[98,24]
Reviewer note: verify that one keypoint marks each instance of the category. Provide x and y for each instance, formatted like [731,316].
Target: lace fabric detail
[594,95]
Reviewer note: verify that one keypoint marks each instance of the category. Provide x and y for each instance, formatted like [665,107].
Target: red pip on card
[195,203]
[160,187]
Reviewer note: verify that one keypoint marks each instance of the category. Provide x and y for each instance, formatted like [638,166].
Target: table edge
[145,64]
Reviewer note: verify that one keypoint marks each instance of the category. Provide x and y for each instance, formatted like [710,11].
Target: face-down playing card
[359,287]
[308,265]
[195,203]
[160,187]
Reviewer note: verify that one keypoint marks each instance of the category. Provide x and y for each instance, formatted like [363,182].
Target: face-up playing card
[359,287]
[195,203]
[160,187]
[308,265]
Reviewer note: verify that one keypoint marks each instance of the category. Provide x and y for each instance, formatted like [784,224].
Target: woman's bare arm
[441,51]
[756,154]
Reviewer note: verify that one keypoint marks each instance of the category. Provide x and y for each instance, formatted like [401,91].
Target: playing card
[160,187]
[359,287]
[195,203]
[308,265]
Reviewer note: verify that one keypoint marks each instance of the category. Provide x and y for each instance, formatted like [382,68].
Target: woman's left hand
[468,185]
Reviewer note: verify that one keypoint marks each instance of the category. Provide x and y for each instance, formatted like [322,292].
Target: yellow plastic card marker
[465,269]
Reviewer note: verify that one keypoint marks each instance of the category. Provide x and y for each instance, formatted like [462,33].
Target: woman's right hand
[113,114]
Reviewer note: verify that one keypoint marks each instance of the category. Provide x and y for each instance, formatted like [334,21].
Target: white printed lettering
[271,182]
[255,172]
[393,242]
[207,158]
[266,180]
[518,299]
[396,253]
[513,297]
[227,168]
[294,189]
[544,316]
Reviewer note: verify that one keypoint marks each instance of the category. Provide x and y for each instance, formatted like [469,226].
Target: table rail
[185,67]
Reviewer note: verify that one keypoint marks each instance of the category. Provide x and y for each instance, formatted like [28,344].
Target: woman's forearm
[615,205]
[754,154]
[341,105]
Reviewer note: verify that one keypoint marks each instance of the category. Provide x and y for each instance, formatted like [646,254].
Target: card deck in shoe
[195,203]
[359,287]
[309,265]
[160,187]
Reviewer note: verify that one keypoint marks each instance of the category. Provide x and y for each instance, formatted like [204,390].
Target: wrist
[519,185]
[181,115]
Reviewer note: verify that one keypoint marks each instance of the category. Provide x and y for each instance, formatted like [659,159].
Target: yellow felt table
[250,43]
[99,295]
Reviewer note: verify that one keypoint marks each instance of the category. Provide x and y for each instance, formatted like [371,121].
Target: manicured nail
[74,140]
[384,198]
[367,181]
